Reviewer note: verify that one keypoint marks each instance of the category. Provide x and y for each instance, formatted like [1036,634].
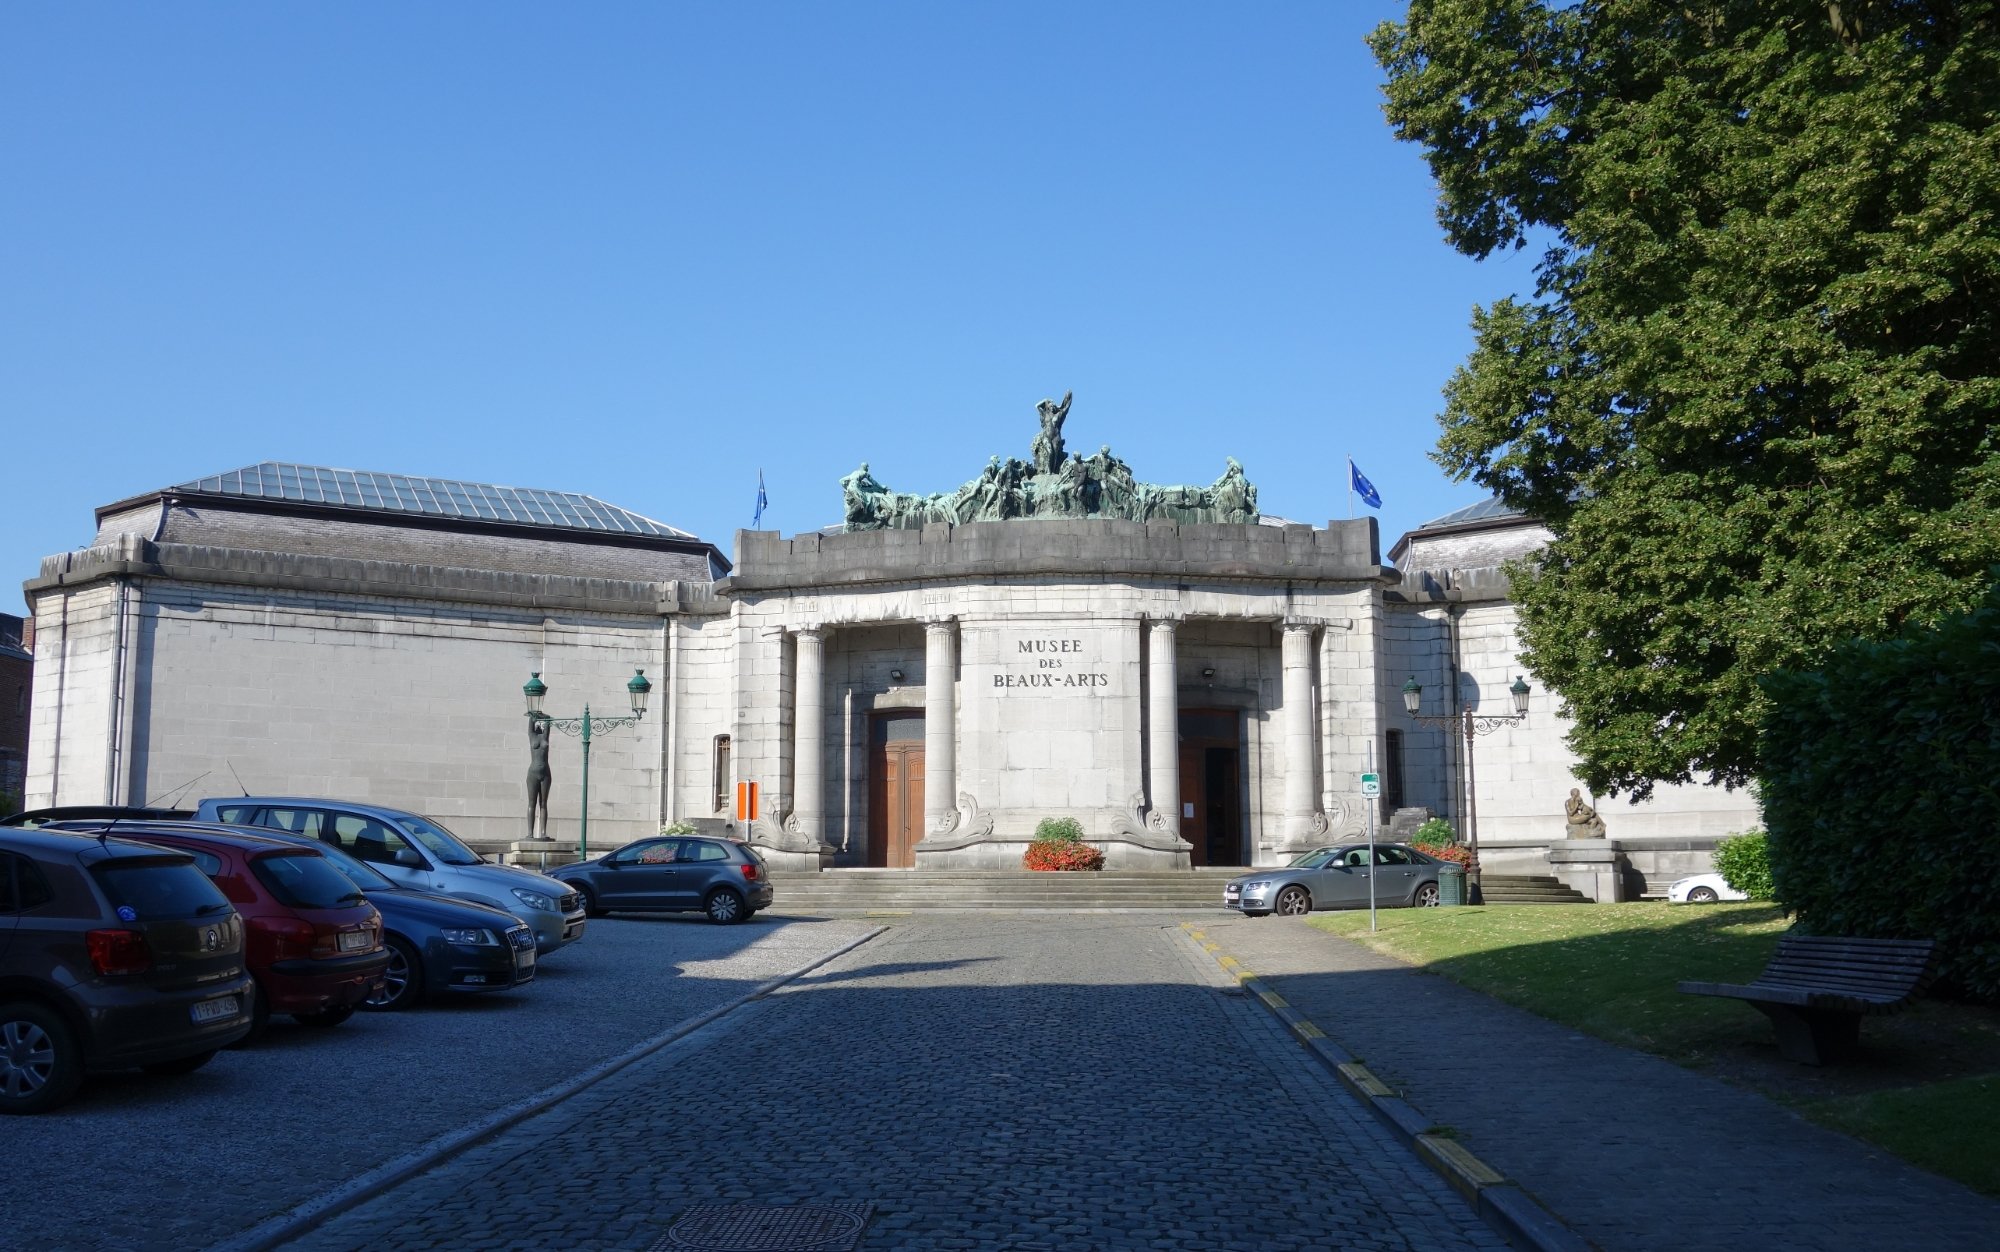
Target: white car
[1702,889]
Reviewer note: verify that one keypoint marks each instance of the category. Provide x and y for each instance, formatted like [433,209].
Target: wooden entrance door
[1211,756]
[895,789]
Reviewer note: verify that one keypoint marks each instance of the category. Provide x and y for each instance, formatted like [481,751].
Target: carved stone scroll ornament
[785,835]
[961,827]
[1147,829]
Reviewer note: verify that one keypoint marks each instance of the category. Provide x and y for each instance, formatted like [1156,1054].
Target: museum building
[916,686]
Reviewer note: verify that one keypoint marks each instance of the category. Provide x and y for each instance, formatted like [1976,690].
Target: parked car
[674,873]
[413,851]
[437,944]
[1337,877]
[314,942]
[113,955]
[1702,889]
[31,818]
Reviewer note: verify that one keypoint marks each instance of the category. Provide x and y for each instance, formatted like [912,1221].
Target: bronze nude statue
[539,777]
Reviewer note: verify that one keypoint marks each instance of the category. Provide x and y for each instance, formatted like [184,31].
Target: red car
[312,941]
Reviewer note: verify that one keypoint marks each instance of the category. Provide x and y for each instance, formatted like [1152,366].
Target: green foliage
[1434,833]
[1744,861]
[1880,794]
[679,828]
[1059,830]
[1754,394]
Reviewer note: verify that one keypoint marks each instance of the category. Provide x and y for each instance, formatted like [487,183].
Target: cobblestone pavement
[1633,1152]
[140,1163]
[1001,1081]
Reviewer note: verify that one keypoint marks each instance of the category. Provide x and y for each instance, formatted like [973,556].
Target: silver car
[1337,877]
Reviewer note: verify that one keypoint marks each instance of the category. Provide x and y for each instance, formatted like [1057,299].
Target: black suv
[113,955]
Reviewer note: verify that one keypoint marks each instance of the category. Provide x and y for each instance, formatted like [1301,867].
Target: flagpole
[1350,486]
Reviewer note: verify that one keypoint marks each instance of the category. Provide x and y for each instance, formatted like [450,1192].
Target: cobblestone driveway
[1020,1082]
[139,1164]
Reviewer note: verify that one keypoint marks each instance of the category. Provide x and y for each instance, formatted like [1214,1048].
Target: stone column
[1303,822]
[940,725]
[1163,724]
[808,725]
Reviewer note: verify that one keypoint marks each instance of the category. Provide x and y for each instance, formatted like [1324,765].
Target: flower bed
[1059,845]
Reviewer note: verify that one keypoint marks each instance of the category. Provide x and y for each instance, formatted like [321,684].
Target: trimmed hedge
[1744,861]
[1880,784]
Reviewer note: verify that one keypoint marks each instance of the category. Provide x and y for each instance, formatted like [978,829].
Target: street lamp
[1471,725]
[535,691]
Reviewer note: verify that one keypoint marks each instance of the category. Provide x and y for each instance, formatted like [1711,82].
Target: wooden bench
[1817,988]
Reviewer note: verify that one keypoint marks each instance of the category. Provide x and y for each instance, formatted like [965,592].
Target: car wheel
[1294,902]
[1426,897]
[590,907]
[40,1066]
[181,1065]
[325,1018]
[724,907]
[402,984]
[1702,895]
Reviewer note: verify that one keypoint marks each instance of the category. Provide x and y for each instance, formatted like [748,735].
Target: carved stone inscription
[1050,663]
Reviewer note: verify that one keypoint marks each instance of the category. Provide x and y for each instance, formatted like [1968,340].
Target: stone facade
[1190,693]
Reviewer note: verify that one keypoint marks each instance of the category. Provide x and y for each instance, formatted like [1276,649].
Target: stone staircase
[902,890]
[1528,889]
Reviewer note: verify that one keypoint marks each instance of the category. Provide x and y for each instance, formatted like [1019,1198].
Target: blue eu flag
[1362,487]
[763,502]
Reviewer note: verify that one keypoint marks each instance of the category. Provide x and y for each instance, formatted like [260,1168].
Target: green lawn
[1928,1089]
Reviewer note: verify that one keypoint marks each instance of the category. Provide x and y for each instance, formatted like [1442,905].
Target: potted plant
[1059,845]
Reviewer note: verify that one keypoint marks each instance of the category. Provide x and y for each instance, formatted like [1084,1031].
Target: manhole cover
[767,1228]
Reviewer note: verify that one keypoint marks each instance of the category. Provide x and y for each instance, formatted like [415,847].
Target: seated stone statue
[1582,820]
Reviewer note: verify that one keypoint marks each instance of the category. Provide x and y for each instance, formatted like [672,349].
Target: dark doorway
[895,789]
[1211,753]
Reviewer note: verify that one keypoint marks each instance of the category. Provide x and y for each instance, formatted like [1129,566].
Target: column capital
[1164,623]
[814,632]
[940,626]
[1302,625]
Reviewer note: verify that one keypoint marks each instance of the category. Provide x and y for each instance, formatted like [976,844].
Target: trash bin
[1451,883]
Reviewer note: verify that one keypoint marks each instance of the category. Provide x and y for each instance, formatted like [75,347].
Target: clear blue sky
[641,250]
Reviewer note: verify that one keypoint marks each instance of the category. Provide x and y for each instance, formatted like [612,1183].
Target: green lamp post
[535,691]
[1471,726]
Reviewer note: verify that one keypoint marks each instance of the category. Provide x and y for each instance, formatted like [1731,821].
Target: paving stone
[1014,1082]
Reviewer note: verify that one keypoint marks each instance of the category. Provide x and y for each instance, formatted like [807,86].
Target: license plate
[215,1010]
[356,941]
[1230,893]
[524,959]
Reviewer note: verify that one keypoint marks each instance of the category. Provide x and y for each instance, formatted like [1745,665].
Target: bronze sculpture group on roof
[1052,484]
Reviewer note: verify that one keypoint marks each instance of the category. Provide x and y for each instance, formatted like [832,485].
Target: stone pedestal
[540,854]
[1594,867]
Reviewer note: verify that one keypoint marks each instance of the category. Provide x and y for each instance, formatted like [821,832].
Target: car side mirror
[408,858]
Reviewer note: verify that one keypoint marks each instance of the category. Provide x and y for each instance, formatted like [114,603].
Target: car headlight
[472,938]
[534,899]
[1263,885]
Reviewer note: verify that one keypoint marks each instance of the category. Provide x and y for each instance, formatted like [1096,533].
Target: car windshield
[1315,858]
[304,880]
[360,873]
[155,889]
[438,841]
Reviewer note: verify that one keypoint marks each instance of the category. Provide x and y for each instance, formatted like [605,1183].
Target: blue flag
[1362,487]
[763,502]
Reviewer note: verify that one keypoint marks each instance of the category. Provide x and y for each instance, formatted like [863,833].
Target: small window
[207,862]
[1392,856]
[160,889]
[702,850]
[366,839]
[237,814]
[304,880]
[722,773]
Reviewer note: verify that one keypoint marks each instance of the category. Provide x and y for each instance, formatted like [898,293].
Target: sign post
[1371,787]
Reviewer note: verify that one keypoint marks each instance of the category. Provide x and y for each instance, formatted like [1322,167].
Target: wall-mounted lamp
[1209,672]
[896,674]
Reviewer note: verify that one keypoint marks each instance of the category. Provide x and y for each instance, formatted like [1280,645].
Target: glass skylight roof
[435,497]
[1480,512]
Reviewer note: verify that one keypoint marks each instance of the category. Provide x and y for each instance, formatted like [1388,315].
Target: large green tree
[1754,393]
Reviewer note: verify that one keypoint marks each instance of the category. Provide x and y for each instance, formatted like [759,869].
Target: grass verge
[1926,1088]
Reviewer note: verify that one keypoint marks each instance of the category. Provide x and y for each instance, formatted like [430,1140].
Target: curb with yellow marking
[1502,1204]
